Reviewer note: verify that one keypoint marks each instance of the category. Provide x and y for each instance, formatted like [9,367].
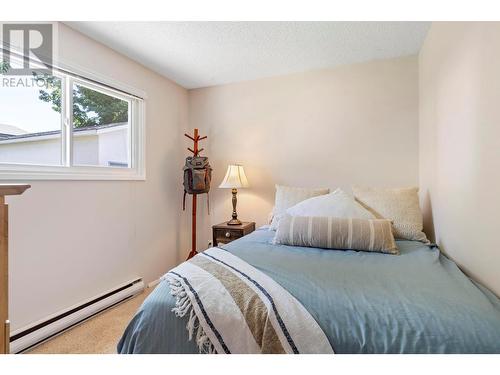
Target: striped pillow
[337,233]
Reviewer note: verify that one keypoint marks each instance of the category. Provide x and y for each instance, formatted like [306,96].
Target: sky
[20,106]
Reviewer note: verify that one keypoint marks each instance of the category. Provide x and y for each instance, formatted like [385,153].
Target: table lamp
[235,178]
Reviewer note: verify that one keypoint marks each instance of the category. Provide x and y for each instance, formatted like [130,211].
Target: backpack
[197,177]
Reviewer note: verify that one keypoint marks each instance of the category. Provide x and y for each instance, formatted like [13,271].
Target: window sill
[28,172]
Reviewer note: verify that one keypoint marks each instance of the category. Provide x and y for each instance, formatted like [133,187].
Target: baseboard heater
[34,334]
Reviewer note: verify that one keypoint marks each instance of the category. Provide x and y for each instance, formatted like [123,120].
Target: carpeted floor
[99,335]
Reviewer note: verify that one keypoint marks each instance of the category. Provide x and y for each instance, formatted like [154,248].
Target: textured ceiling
[200,54]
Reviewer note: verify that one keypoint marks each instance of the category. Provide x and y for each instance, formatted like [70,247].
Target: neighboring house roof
[6,129]
[87,130]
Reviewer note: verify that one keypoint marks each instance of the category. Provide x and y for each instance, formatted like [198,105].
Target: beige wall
[460,144]
[73,239]
[356,124]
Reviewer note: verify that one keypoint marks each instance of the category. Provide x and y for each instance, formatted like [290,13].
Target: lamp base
[234,222]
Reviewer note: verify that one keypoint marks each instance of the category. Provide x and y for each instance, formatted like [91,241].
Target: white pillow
[337,204]
[287,197]
[399,205]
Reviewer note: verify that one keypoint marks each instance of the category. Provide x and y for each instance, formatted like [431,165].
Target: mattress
[415,302]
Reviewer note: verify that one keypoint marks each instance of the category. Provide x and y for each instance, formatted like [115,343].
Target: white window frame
[67,171]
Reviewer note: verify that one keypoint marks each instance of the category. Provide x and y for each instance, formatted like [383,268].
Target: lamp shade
[235,177]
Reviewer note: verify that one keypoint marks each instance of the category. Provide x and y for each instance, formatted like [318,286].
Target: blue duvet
[417,302]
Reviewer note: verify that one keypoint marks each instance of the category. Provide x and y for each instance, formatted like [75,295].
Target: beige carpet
[98,335]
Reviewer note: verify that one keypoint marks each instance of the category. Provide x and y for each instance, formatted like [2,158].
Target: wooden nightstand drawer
[224,233]
[227,234]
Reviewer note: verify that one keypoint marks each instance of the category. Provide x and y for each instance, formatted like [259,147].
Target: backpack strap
[208,203]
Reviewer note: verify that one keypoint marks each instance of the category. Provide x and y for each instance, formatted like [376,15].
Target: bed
[415,302]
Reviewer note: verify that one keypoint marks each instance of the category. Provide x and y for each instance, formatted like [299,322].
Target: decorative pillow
[401,206]
[336,204]
[337,233]
[287,197]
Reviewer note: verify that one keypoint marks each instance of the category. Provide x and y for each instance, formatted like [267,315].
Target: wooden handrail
[6,189]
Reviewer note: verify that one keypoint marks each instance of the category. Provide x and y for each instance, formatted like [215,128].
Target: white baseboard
[29,336]
[153,283]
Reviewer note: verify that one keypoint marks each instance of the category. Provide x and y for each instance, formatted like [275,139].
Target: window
[100,128]
[64,126]
[30,130]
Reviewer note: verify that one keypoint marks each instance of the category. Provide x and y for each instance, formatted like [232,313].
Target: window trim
[137,134]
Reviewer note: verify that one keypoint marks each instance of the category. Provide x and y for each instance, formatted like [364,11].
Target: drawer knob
[228,234]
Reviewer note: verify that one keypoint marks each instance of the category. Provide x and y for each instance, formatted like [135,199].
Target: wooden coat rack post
[4,264]
[195,138]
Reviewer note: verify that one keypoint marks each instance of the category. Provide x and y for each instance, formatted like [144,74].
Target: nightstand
[224,233]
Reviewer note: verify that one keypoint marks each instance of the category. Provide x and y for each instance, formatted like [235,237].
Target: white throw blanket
[234,308]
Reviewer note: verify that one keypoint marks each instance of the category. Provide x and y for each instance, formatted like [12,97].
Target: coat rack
[195,138]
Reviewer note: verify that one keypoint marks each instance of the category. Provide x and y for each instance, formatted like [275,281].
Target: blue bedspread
[417,302]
